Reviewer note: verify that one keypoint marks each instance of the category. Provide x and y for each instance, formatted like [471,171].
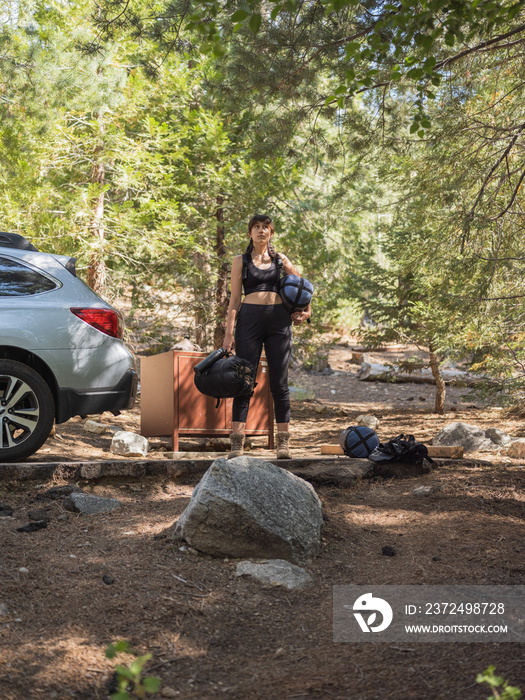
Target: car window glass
[18,280]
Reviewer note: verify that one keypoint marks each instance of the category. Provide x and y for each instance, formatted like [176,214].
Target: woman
[260,320]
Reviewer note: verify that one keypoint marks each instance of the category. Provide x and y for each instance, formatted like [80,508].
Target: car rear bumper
[82,403]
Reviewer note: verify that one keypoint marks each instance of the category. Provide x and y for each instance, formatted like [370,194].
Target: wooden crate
[172,405]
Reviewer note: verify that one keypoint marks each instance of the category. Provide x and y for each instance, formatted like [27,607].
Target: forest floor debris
[72,588]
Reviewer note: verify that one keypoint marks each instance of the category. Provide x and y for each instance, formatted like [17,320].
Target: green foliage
[366,45]
[384,139]
[499,686]
[131,683]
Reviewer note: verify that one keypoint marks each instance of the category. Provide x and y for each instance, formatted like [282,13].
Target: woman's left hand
[299,317]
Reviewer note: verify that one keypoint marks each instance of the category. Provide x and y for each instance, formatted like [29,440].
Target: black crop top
[256,280]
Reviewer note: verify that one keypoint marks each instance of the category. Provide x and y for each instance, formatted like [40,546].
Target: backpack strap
[280,266]
[245,262]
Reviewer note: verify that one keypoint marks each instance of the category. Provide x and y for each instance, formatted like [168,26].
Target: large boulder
[470,437]
[250,508]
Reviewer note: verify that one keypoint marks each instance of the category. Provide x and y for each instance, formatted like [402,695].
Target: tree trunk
[202,300]
[221,291]
[441,389]
[96,273]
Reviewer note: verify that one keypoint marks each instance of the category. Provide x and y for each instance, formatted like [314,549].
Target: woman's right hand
[228,342]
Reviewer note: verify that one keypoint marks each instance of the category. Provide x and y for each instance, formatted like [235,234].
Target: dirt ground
[85,581]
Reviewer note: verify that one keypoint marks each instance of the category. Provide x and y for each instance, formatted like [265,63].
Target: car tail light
[108,321]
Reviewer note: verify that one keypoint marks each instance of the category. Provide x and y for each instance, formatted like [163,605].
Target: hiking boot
[237,445]
[283,445]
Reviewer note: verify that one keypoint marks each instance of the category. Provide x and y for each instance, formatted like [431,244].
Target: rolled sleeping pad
[358,441]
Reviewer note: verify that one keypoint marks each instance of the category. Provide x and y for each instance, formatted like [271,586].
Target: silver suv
[61,349]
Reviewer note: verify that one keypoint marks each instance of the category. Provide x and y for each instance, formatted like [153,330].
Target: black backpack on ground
[401,449]
[224,376]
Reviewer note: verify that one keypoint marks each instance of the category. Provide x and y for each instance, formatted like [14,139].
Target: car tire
[27,411]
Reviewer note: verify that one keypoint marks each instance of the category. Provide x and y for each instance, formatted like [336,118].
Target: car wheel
[27,411]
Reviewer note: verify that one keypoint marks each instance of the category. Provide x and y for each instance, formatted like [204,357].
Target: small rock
[91,426]
[169,693]
[108,580]
[516,449]
[89,504]
[321,408]
[369,420]
[388,551]
[129,444]
[33,527]
[423,490]
[23,570]
[276,572]
[497,436]
[4,610]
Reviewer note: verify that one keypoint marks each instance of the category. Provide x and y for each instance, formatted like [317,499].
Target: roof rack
[14,240]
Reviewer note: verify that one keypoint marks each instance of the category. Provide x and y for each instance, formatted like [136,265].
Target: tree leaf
[255,22]
[239,16]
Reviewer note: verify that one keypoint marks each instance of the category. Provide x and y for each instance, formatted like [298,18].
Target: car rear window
[17,280]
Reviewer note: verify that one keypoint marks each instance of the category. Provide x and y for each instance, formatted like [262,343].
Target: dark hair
[261,219]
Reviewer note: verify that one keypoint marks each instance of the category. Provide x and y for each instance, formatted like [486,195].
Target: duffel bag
[226,378]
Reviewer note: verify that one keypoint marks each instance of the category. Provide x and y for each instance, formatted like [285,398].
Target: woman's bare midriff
[265,298]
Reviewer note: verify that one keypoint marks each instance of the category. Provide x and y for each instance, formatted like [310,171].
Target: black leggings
[269,325]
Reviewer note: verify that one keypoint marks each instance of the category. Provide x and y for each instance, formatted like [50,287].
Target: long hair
[261,219]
